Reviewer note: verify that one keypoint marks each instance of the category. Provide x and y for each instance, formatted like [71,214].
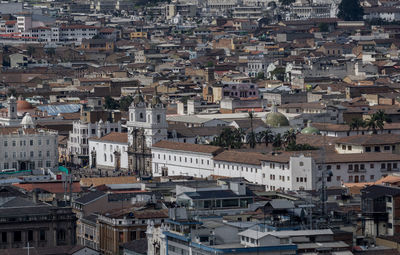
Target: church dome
[276,119]
[310,130]
[23,106]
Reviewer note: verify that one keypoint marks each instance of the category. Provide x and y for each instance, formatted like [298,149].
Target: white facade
[11,119]
[105,153]
[296,174]
[28,148]
[76,33]
[78,144]
[176,162]
[46,34]
[150,117]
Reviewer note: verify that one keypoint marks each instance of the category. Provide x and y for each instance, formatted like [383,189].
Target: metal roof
[61,108]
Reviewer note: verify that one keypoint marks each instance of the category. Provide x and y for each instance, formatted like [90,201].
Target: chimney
[239,188]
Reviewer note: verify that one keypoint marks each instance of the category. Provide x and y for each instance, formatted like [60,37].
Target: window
[17,236]
[383,165]
[14,143]
[394,165]
[61,235]
[371,166]
[362,166]
[31,142]
[4,237]
[350,167]
[32,154]
[368,149]
[48,163]
[47,153]
[338,167]
[386,148]
[30,235]
[344,147]
[42,235]
[5,143]
[377,149]
[349,148]
[362,178]
[105,157]
[338,178]
[372,177]
[39,142]
[328,167]
[301,163]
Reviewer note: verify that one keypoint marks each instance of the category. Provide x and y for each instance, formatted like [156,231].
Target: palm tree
[380,119]
[289,137]
[229,138]
[251,137]
[277,141]
[371,125]
[265,136]
[356,124]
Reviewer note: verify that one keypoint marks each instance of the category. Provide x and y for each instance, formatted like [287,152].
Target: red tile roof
[52,187]
[113,137]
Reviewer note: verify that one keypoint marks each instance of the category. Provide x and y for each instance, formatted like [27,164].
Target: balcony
[356,171]
[389,170]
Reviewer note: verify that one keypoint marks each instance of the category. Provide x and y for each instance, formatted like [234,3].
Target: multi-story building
[24,21]
[109,152]
[257,64]
[74,34]
[45,34]
[94,122]
[282,170]
[173,158]
[121,226]
[380,212]
[41,225]
[27,147]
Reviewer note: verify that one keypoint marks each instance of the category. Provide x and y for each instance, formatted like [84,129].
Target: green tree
[210,64]
[381,118]
[323,27]
[51,52]
[265,136]
[286,2]
[350,10]
[230,138]
[260,75]
[300,147]
[289,137]
[277,141]
[31,50]
[11,92]
[278,73]
[110,103]
[125,102]
[356,124]
[371,125]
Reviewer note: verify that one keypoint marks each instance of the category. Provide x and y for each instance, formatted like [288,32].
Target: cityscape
[200,127]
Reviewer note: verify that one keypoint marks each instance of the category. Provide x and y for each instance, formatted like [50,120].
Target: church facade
[147,125]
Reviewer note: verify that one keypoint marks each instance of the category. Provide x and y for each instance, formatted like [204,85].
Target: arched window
[141,115]
[61,233]
[158,118]
[111,158]
[105,157]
